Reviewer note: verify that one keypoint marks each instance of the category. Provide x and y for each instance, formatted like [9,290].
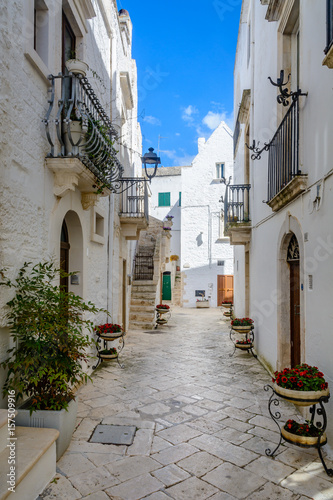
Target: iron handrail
[236,204]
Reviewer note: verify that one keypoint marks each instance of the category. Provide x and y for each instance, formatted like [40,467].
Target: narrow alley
[202,424]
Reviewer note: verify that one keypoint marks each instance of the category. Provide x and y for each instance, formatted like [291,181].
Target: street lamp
[150,158]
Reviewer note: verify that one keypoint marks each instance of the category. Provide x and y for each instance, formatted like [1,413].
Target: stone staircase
[34,452]
[143,301]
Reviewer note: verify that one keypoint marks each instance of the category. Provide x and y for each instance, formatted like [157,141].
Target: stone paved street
[202,424]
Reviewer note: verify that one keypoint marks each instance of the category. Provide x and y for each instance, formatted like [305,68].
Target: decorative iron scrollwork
[285,95]
[256,155]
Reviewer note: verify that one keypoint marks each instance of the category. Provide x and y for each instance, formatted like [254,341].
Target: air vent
[310,281]
[220,262]
[306,236]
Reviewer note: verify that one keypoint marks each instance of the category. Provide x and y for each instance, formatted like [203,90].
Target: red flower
[300,383]
[284,380]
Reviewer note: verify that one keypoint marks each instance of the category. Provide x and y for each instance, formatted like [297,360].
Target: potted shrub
[227,304]
[202,303]
[303,385]
[242,325]
[49,347]
[305,434]
[108,353]
[109,331]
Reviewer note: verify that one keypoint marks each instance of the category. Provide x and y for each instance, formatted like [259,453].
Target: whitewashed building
[62,199]
[192,196]
[284,248]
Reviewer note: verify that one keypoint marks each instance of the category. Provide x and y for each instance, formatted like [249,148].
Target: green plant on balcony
[47,326]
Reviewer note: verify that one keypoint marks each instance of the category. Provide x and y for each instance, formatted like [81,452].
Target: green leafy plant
[242,322]
[107,352]
[162,306]
[301,378]
[305,429]
[46,324]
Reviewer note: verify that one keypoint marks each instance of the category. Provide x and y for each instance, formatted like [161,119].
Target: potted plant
[303,385]
[108,353]
[242,325]
[227,304]
[76,66]
[202,303]
[162,308]
[109,331]
[49,347]
[167,228]
[244,344]
[174,258]
[306,434]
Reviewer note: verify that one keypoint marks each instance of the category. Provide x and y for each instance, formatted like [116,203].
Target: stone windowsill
[295,187]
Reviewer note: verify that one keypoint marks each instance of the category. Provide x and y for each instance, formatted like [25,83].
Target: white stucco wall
[308,217]
[31,215]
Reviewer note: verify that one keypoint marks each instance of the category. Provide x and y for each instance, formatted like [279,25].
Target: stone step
[143,302]
[146,288]
[139,325]
[139,295]
[144,308]
[141,316]
[35,463]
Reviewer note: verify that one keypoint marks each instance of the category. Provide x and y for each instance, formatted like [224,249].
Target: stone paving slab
[202,424]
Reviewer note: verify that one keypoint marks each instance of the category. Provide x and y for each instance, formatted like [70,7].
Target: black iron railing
[329,26]
[283,163]
[79,122]
[144,267]
[134,197]
[236,204]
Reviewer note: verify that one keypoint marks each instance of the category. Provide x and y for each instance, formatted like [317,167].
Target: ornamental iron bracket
[256,155]
[284,96]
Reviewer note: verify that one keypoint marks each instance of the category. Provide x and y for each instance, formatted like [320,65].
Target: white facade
[35,201]
[197,230]
[291,36]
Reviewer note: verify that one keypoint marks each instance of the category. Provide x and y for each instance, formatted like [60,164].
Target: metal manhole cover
[113,434]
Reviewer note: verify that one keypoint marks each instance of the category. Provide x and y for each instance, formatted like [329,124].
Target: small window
[220,262]
[219,170]
[41,30]
[164,199]
[180,199]
[97,226]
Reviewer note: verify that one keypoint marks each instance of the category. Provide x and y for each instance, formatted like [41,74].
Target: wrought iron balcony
[133,211]
[285,179]
[78,121]
[237,220]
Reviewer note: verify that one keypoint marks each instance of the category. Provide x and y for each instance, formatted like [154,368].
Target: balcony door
[68,43]
[295,302]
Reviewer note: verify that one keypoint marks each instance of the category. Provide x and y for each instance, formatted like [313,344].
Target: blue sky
[185,54]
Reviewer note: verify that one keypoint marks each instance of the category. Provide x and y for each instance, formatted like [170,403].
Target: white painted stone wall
[31,215]
[196,235]
[310,217]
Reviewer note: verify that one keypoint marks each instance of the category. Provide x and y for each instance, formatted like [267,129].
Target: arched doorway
[64,254]
[71,253]
[295,301]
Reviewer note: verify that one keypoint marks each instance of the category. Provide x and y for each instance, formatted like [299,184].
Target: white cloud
[179,159]
[213,119]
[177,134]
[152,120]
[187,113]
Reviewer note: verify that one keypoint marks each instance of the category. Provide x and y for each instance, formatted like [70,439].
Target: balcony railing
[283,164]
[82,127]
[143,267]
[236,205]
[134,198]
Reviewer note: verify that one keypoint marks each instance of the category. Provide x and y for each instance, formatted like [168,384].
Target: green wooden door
[166,288]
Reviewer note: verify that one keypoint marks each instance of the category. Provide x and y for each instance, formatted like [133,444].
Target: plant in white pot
[49,347]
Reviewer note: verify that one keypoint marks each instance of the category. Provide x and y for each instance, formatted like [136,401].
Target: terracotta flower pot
[302,440]
[307,398]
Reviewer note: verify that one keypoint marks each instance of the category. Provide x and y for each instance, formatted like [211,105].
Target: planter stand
[104,339]
[162,316]
[228,310]
[249,337]
[287,436]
